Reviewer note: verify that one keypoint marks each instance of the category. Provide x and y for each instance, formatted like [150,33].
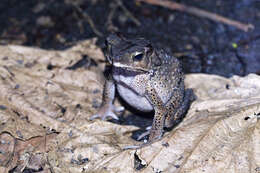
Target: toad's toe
[107,111]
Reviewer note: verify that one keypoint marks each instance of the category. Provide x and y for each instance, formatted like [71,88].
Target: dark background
[201,44]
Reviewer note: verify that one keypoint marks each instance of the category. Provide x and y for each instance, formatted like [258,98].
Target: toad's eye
[138,57]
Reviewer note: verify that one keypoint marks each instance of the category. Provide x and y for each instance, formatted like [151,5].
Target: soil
[204,46]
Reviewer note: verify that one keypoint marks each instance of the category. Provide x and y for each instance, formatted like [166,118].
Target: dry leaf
[43,101]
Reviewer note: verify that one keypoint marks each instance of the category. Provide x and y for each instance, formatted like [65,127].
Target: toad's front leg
[107,108]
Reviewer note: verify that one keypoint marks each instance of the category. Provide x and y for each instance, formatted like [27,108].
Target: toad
[147,79]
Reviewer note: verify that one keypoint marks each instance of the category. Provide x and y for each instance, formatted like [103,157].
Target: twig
[128,13]
[110,26]
[88,18]
[200,13]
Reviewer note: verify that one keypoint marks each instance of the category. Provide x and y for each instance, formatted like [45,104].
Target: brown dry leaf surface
[45,107]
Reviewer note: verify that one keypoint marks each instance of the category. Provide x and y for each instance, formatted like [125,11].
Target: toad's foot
[106,111]
[153,137]
[145,133]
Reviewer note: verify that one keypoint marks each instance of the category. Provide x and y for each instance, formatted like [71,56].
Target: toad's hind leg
[156,131]
[174,115]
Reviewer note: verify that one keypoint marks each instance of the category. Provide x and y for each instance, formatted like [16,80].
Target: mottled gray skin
[147,79]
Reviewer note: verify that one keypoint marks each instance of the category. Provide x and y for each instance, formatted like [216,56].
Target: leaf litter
[45,108]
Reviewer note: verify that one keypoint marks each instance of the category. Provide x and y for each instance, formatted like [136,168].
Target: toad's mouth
[130,68]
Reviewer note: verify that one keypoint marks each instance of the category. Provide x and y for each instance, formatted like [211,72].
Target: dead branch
[199,12]
[110,26]
[88,18]
[128,13]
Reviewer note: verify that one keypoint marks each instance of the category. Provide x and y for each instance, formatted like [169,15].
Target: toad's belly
[133,99]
